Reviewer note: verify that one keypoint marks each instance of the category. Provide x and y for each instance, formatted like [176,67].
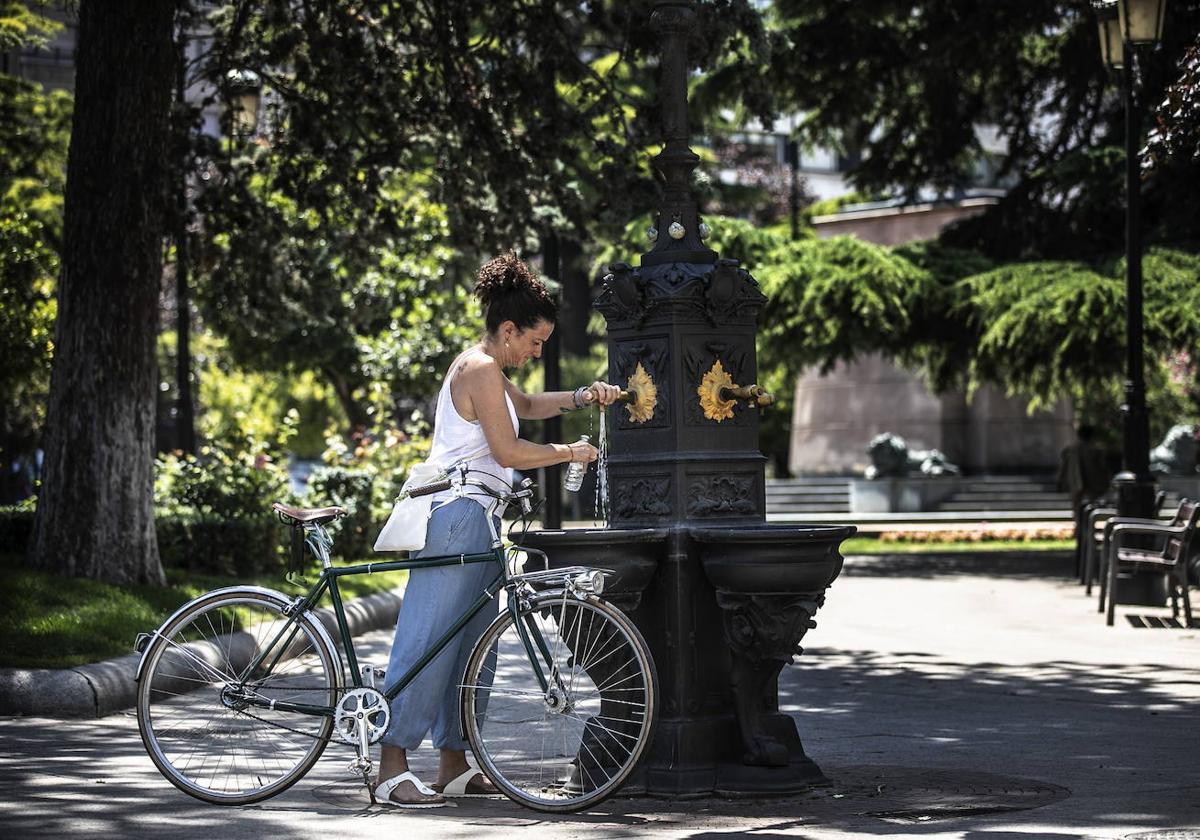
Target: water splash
[601,508]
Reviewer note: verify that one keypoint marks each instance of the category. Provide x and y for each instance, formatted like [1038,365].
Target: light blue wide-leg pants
[433,600]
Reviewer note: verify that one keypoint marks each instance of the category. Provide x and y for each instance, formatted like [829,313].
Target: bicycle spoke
[573,745]
[205,727]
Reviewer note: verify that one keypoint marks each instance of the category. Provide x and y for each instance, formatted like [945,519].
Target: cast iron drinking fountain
[722,597]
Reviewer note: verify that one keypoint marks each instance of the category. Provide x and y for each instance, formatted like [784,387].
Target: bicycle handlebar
[524,495]
[426,489]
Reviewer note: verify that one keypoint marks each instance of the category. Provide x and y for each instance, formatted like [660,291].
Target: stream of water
[600,514]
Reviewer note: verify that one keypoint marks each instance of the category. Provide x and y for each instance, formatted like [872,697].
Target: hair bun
[510,291]
[503,274]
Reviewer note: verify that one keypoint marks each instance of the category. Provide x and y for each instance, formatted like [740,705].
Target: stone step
[1005,496]
[807,507]
[1008,488]
[813,503]
[1023,504]
[801,492]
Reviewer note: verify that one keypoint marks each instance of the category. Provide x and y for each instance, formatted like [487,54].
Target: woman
[476,419]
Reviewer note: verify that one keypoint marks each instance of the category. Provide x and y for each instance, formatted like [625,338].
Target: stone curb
[103,688]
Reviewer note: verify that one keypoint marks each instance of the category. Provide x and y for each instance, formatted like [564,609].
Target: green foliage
[225,481]
[238,547]
[28,267]
[1046,329]
[34,131]
[365,476]
[377,315]
[943,338]
[21,27]
[908,85]
[353,490]
[1176,130]
[47,621]
[832,299]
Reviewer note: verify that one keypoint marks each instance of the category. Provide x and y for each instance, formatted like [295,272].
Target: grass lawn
[48,621]
[870,545]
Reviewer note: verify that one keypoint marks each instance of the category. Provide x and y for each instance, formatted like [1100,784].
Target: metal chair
[1091,544]
[1170,559]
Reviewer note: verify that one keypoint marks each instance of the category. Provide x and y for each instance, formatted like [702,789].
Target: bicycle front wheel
[571,745]
[206,719]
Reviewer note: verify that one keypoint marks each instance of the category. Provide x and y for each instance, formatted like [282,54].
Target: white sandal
[383,792]
[456,788]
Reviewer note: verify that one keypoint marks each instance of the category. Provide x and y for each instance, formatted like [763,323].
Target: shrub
[350,488]
[222,482]
[238,547]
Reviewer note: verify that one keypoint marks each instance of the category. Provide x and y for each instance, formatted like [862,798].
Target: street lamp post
[1124,26]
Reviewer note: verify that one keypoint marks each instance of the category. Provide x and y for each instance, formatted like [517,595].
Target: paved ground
[982,699]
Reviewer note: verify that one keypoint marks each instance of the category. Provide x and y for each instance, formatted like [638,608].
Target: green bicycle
[241,690]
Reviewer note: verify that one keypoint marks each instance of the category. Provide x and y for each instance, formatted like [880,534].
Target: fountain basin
[632,554]
[771,558]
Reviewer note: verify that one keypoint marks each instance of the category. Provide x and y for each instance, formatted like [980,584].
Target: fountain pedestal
[723,610]
[722,598]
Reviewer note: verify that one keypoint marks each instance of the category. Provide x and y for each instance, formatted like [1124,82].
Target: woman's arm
[484,384]
[552,403]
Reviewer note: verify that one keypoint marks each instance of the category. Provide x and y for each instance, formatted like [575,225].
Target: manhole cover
[1172,834]
[915,794]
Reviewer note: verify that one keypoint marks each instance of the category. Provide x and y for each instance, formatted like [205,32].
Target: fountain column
[722,598]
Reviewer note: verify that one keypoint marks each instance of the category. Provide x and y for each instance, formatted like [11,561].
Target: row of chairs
[1128,544]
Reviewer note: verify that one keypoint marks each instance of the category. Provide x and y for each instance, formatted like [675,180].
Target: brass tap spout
[754,395]
[630,397]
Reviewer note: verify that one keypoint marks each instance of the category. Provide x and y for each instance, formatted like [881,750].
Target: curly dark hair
[510,291]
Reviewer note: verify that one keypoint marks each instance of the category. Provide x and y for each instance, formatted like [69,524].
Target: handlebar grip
[426,489]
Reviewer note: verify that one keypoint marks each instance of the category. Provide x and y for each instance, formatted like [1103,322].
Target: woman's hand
[582,451]
[601,392]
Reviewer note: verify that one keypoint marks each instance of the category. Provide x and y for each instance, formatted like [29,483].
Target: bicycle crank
[361,717]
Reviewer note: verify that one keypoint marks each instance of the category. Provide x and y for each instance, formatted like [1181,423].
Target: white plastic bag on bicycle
[408,523]
[409,520]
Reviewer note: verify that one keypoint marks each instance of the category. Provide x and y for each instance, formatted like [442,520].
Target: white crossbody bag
[408,524]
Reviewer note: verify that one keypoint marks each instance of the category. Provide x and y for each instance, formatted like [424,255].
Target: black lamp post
[1124,26]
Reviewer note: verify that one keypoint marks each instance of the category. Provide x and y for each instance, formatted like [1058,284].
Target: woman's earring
[506,342]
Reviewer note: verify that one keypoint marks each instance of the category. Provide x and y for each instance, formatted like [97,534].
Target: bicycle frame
[319,542]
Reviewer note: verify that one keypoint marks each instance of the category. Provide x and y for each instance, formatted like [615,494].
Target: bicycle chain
[340,690]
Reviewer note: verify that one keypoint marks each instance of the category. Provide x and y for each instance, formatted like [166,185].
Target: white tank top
[455,438]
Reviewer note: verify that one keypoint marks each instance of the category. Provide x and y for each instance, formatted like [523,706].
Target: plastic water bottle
[574,477]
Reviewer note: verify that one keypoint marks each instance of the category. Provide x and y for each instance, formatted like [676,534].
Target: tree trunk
[95,515]
[185,417]
[576,299]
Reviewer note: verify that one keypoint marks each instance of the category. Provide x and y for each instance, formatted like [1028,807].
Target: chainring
[361,709]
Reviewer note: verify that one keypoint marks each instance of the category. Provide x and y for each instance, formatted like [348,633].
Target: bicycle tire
[184,717]
[606,718]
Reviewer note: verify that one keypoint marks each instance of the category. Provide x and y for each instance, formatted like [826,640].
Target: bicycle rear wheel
[572,746]
[193,710]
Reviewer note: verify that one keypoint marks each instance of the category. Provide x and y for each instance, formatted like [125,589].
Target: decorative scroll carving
[764,632]
[717,495]
[721,296]
[651,355]
[623,297]
[641,384]
[642,497]
[728,290]
[698,359]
